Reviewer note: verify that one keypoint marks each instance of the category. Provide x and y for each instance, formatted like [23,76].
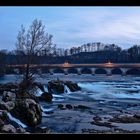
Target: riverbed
[92,109]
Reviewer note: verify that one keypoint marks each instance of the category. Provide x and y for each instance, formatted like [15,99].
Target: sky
[74,26]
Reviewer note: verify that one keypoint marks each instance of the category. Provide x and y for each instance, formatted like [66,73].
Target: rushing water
[104,95]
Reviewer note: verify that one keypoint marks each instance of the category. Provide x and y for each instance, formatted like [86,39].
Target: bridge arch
[100,71]
[45,70]
[72,71]
[133,71]
[86,71]
[116,71]
[58,70]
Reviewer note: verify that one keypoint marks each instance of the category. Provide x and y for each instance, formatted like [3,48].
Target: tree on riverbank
[31,42]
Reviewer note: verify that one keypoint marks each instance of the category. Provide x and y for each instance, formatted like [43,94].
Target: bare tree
[32,42]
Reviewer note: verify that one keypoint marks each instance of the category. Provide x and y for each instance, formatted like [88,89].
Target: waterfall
[11,118]
[66,89]
[38,92]
[46,88]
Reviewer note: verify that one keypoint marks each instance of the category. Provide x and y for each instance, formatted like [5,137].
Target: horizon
[74,26]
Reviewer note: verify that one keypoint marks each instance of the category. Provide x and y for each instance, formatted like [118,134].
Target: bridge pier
[93,70]
[51,71]
[123,71]
[79,71]
[109,73]
[66,71]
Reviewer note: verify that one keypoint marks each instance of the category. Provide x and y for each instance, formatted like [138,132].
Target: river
[104,96]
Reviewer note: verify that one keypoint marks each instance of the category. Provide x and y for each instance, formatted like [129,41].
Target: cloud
[103,25]
[72,26]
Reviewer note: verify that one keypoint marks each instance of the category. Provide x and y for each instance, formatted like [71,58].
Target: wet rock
[81,107]
[56,87]
[7,105]
[8,129]
[68,106]
[72,86]
[40,86]
[20,130]
[44,130]
[137,116]
[106,124]
[97,118]
[26,95]
[60,106]
[46,97]
[8,96]
[8,87]
[125,119]
[1,123]
[27,111]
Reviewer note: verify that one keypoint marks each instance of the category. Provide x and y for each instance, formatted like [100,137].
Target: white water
[46,88]
[101,90]
[16,120]
[66,89]
[38,92]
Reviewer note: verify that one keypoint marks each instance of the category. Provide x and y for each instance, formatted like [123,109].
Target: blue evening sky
[73,26]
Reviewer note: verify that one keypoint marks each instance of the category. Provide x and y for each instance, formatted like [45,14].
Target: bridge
[103,68]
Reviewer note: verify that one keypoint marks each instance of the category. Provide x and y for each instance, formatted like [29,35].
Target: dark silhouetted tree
[32,42]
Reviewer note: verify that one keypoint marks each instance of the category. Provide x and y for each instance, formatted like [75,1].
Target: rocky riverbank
[20,112]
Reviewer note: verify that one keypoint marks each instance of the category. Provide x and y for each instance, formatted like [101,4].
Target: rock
[68,106]
[81,107]
[25,95]
[44,130]
[46,97]
[137,116]
[27,111]
[72,86]
[97,118]
[8,96]
[56,87]
[126,119]
[8,87]
[40,86]
[20,130]
[8,129]
[7,105]
[60,106]
[1,123]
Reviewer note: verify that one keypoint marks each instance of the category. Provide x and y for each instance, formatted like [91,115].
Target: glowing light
[66,64]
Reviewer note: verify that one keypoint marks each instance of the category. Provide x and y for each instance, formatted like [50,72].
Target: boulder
[40,86]
[46,97]
[26,95]
[56,87]
[81,107]
[69,106]
[8,129]
[27,111]
[21,130]
[72,86]
[7,105]
[8,87]
[60,106]
[43,130]
[8,96]
[1,123]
